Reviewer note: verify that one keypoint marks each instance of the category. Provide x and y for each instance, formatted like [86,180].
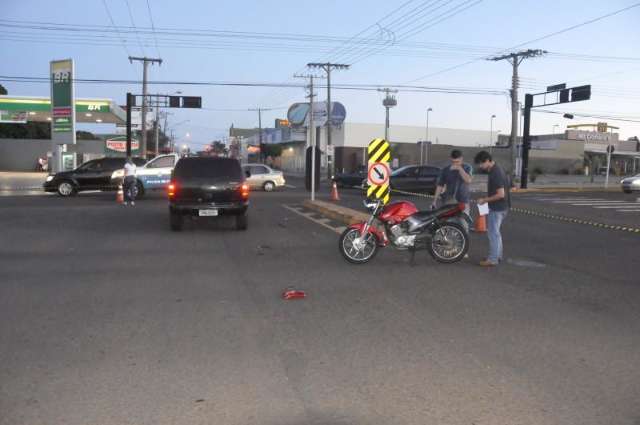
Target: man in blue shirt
[453,183]
[498,198]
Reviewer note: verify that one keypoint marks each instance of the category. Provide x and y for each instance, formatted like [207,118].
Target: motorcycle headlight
[49,178]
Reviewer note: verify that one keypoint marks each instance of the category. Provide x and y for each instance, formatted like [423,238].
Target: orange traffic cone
[334,192]
[480,226]
[120,195]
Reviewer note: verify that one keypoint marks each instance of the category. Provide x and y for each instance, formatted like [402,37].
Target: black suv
[92,175]
[208,187]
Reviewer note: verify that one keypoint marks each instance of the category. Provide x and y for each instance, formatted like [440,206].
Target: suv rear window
[207,168]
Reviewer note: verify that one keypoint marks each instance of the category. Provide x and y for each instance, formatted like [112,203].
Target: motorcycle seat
[429,214]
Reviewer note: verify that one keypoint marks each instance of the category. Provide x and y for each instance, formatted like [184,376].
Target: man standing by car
[453,184]
[498,200]
[129,181]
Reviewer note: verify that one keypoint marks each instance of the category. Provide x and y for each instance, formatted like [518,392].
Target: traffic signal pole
[129,105]
[526,140]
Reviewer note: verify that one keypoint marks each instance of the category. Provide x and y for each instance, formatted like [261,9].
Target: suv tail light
[244,191]
[172,189]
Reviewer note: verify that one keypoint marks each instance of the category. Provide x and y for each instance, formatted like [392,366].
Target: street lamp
[427,139]
[493,117]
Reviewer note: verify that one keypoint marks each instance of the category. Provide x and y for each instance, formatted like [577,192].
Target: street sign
[557,87]
[378,174]
[378,177]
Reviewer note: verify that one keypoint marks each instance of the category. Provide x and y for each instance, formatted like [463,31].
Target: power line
[124,44]
[352,87]
[153,27]
[134,26]
[544,37]
[604,117]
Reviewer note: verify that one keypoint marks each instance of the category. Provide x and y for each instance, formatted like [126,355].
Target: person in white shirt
[129,181]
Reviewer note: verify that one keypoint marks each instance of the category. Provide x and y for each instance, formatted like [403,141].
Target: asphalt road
[107,317]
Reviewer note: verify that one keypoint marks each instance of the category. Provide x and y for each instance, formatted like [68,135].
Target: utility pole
[312,133]
[515,59]
[327,67]
[145,61]
[259,110]
[388,102]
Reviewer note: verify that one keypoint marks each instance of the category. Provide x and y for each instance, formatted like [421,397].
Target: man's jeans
[494,221]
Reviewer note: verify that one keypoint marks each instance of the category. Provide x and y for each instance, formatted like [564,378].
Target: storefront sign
[119,145]
[13,117]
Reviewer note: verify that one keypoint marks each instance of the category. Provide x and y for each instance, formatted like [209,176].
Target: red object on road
[292,294]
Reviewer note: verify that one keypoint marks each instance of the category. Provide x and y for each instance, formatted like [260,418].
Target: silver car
[630,184]
[263,177]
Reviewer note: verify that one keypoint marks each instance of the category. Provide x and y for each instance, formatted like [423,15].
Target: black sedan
[92,175]
[353,179]
[413,178]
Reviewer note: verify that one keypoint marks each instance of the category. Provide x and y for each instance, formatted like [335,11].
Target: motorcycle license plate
[208,213]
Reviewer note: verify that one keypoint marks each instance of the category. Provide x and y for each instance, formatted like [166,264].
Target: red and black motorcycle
[401,225]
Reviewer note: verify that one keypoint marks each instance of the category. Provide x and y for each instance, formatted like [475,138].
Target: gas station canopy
[19,109]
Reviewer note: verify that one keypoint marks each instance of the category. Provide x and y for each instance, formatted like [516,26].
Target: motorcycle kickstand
[412,259]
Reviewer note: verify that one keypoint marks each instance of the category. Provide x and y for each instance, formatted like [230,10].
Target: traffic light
[191,102]
[174,101]
[564,96]
[581,93]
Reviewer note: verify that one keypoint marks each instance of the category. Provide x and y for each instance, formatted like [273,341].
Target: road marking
[290,186]
[617,206]
[628,210]
[337,230]
[598,204]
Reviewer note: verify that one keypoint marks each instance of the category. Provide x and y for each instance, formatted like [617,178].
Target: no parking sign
[379,172]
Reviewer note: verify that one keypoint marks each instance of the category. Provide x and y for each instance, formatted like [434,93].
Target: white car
[263,177]
[154,175]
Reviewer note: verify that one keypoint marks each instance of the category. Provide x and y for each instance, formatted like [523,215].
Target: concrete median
[336,212]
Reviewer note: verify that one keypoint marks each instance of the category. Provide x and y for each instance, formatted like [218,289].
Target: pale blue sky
[489,23]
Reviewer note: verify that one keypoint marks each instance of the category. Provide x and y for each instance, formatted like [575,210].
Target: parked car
[154,175]
[208,187]
[630,184]
[263,177]
[414,178]
[92,175]
[353,179]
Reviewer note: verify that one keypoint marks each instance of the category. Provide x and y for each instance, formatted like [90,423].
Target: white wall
[360,134]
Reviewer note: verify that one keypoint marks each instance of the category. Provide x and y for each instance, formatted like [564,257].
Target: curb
[336,212]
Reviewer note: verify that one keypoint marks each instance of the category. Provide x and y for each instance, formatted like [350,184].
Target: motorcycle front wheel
[449,243]
[356,251]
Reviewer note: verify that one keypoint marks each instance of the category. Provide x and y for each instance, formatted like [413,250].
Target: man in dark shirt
[453,183]
[498,200]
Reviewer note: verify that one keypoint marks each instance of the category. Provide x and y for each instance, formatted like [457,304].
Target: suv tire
[242,222]
[176,222]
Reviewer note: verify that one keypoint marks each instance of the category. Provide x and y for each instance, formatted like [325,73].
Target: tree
[3,91]
[219,148]
[272,151]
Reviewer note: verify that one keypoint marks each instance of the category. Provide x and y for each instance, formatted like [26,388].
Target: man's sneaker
[487,263]
[125,203]
[133,203]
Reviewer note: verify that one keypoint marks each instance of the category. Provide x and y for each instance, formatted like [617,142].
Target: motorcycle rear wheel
[351,253]
[449,243]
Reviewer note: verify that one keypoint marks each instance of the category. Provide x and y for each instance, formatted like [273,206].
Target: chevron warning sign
[379,156]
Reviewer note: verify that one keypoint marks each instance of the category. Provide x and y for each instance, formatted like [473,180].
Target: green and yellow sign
[62,98]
